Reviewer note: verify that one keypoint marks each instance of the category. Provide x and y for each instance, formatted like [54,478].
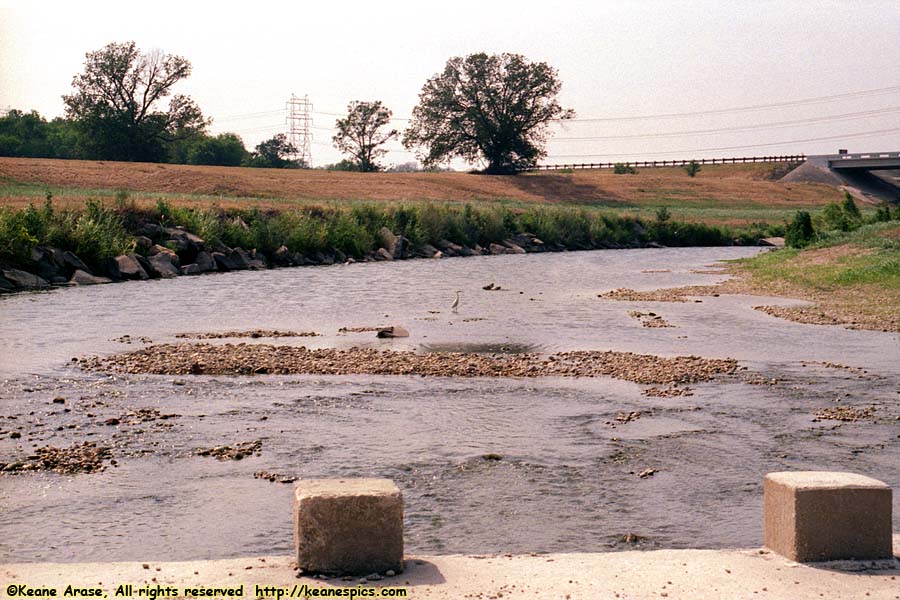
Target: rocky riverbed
[262,359]
[254,333]
[86,457]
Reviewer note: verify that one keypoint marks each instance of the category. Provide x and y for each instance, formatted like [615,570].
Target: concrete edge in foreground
[670,574]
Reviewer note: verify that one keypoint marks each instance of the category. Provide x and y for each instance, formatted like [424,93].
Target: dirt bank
[869,306]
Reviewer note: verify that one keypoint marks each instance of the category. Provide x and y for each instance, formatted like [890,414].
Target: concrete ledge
[639,575]
[348,526]
[822,516]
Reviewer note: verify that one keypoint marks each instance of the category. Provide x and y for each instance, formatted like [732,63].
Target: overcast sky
[617,60]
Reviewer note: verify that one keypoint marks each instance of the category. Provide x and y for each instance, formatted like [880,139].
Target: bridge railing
[650,164]
[864,156]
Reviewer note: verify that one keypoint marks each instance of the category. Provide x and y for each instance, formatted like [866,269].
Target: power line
[250,115]
[820,99]
[785,143]
[800,102]
[258,129]
[794,123]
[332,114]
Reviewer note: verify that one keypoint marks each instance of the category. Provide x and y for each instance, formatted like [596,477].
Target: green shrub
[206,223]
[834,218]
[624,169]
[402,220]
[16,239]
[303,231]
[347,235]
[800,231]
[882,213]
[539,222]
[663,214]
[850,209]
[692,168]
[94,234]
[842,217]
[236,232]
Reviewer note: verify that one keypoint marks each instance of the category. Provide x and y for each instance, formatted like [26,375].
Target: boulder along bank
[161,252]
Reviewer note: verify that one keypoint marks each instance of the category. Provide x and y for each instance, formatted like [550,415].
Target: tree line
[492,109]
[29,135]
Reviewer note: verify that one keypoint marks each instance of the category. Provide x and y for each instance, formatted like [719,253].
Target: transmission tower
[299,124]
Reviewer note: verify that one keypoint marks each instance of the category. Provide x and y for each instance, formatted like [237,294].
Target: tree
[226,149]
[344,164]
[407,167]
[494,108]
[30,135]
[358,133]
[850,209]
[692,168]
[275,153]
[24,134]
[116,100]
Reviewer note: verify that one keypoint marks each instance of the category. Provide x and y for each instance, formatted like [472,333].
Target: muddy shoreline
[819,311]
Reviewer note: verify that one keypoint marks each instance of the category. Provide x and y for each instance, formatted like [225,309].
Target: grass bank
[853,278]
[99,231]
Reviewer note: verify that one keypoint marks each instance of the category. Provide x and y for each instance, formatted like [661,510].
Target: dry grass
[720,186]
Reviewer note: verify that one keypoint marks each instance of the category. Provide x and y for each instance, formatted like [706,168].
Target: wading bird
[455,304]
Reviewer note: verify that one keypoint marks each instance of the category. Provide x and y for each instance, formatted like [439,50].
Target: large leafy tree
[361,135]
[24,134]
[116,103]
[226,149]
[494,108]
[30,135]
[275,153]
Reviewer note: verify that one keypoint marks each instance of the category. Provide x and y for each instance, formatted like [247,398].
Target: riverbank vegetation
[852,277]
[98,231]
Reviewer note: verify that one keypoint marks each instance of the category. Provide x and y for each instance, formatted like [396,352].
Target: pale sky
[617,60]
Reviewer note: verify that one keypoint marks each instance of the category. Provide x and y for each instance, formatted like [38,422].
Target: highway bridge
[875,161]
[869,176]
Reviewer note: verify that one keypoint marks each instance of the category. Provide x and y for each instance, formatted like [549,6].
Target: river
[568,475]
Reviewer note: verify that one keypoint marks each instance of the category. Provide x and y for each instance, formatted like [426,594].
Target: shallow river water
[567,480]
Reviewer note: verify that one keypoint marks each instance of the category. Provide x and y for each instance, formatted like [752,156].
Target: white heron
[455,305]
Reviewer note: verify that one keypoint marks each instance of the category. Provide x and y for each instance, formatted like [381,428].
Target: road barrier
[650,164]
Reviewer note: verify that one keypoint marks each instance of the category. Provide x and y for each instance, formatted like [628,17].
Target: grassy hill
[719,194]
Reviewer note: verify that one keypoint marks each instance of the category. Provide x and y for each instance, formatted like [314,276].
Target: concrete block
[352,526]
[819,515]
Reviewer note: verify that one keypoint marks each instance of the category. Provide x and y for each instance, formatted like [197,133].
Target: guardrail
[865,156]
[650,164]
